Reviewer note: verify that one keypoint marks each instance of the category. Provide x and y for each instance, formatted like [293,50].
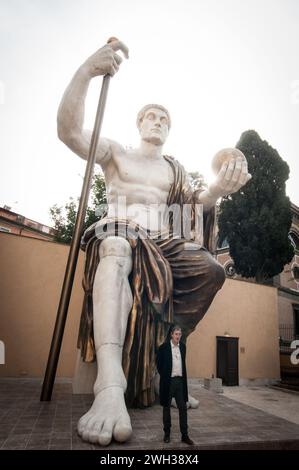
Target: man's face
[154,126]
[176,336]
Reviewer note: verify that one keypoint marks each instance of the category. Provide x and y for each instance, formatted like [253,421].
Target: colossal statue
[146,267]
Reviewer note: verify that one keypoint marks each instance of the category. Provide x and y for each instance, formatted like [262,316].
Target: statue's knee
[216,274]
[219,274]
[115,246]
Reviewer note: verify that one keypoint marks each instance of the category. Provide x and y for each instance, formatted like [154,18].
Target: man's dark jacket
[164,366]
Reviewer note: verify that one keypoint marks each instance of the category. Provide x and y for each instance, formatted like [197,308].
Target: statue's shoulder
[116,147]
[172,160]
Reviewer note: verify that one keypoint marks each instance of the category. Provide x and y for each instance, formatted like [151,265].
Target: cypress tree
[256,220]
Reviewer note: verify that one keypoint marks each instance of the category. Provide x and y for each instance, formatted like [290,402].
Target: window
[223,244]
[5,229]
[294,239]
[32,224]
[295,272]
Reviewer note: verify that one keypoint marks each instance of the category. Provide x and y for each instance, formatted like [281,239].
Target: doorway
[227,366]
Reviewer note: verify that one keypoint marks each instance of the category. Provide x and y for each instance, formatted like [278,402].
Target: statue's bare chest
[148,173]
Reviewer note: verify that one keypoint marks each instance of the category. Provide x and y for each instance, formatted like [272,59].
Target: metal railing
[286,336]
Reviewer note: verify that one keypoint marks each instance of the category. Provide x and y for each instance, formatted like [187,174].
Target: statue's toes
[95,432]
[122,430]
[82,423]
[193,403]
[89,428]
[105,436]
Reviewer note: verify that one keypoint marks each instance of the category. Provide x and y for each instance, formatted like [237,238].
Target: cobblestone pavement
[218,423]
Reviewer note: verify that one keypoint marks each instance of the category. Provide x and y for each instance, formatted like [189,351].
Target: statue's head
[153,122]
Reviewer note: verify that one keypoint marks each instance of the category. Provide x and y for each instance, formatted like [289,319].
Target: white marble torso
[138,187]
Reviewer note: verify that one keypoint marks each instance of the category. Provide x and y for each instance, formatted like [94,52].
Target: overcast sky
[220,67]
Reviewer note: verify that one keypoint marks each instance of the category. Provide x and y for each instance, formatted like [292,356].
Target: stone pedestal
[213,384]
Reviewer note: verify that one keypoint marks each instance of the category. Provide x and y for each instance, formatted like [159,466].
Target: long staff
[66,291]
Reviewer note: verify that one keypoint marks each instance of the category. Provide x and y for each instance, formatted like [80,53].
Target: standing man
[171,366]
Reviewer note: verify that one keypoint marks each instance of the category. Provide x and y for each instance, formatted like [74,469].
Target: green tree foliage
[257,219]
[197,180]
[64,217]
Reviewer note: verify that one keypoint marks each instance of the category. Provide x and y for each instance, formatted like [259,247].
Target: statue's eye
[150,116]
[163,120]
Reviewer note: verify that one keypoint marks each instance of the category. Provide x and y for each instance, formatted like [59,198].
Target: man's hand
[106,60]
[231,177]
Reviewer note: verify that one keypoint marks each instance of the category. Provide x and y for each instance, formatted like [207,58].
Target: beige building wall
[245,310]
[31,276]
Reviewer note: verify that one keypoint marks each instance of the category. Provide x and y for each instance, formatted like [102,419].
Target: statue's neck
[149,150]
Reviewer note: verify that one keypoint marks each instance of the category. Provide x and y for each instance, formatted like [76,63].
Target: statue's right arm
[70,116]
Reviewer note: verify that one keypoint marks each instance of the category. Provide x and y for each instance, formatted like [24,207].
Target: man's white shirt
[176,360]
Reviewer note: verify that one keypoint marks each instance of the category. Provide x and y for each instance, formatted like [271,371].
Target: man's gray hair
[175,328]
[145,108]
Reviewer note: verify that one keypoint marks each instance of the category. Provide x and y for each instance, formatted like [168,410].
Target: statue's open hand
[106,60]
[231,177]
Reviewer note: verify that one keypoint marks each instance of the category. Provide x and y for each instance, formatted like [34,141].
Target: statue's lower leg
[112,302]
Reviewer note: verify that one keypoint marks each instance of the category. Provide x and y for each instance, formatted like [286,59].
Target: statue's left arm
[231,177]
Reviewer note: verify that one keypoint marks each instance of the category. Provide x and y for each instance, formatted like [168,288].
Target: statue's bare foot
[107,418]
[191,403]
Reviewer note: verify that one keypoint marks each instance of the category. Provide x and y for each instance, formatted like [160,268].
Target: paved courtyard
[222,421]
[283,404]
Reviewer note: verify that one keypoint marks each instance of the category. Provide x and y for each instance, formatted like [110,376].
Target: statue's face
[154,126]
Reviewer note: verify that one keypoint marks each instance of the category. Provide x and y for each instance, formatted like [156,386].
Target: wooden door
[228,360]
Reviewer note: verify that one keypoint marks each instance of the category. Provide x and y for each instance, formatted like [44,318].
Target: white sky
[220,67]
